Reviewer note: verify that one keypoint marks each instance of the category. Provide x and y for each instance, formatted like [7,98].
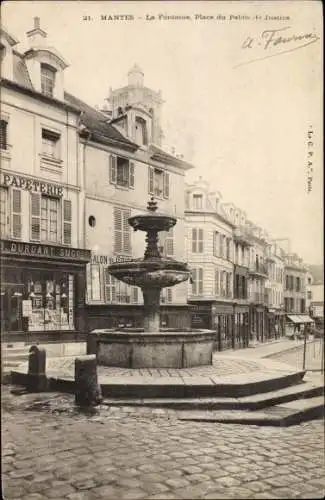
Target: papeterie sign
[20,182]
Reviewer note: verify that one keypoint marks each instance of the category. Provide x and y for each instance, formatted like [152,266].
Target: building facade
[124,166]
[211,255]
[295,288]
[43,260]
[274,259]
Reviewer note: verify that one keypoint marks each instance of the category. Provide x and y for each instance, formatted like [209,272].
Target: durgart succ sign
[9,247]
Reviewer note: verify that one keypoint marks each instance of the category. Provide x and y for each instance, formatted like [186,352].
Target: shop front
[42,291]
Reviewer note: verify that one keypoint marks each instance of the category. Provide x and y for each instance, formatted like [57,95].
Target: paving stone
[177,482]
[59,492]
[257,486]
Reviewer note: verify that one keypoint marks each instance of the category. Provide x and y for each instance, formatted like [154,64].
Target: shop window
[50,303]
[121,172]
[158,182]
[3,134]
[4,215]
[122,233]
[197,281]
[117,292]
[47,80]
[197,240]
[50,144]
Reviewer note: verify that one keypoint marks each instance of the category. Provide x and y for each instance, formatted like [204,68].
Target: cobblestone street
[124,453]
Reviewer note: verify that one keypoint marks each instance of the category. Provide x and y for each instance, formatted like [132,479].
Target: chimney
[36,36]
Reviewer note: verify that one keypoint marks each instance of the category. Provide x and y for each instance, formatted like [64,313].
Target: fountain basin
[133,348]
[152,272]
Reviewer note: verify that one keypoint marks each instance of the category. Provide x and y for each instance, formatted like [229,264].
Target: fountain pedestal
[163,349]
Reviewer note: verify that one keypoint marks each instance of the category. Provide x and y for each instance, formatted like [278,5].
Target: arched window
[141,133]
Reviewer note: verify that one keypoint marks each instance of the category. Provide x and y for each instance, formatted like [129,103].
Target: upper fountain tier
[152,221]
[153,271]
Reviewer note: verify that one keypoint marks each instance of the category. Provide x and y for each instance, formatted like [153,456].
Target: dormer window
[47,80]
[197,201]
[141,133]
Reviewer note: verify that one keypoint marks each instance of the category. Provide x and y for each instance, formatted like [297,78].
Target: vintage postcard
[162,281]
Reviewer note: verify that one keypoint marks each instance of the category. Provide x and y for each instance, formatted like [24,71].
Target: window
[297,284]
[166,296]
[51,219]
[4,212]
[302,305]
[158,182]
[228,284]
[216,282]
[216,248]
[197,201]
[166,242]
[121,172]
[50,144]
[228,248]
[3,134]
[92,221]
[309,294]
[122,234]
[197,281]
[117,292]
[47,79]
[197,240]
[141,132]
[50,215]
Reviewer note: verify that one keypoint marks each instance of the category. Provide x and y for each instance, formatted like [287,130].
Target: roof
[97,124]
[20,71]
[160,155]
[317,272]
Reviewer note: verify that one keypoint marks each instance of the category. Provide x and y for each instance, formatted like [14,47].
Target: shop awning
[294,319]
[306,319]
[302,318]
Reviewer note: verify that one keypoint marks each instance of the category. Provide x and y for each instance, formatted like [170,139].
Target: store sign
[9,247]
[106,260]
[29,184]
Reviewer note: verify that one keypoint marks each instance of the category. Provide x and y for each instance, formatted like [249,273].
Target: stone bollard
[36,369]
[87,391]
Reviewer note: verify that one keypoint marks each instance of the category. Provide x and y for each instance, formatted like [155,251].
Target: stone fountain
[151,346]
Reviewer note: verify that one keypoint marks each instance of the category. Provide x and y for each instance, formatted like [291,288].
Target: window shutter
[200,240]
[67,222]
[169,293]
[166,185]
[169,243]
[36,217]
[194,242]
[117,230]
[194,281]
[3,134]
[217,287]
[150,180]
[131,175]
[112,169]
[134,294]
[16,213]
[200,281]
[126,232]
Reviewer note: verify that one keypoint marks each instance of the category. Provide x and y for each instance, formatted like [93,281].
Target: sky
[238,103]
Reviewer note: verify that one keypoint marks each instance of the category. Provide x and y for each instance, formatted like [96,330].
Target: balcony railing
[258,270]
